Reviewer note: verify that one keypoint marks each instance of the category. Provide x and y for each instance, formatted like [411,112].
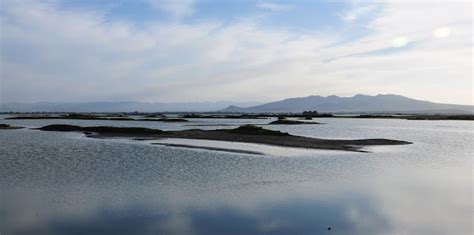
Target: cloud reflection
[297,216]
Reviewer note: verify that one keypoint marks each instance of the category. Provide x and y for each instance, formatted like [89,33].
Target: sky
[233,50]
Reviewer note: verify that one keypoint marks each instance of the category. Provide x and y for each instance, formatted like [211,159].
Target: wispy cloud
[56,55]
[358,12]
[273,6]
[177,8]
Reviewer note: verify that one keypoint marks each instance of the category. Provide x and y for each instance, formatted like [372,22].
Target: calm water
[63,183]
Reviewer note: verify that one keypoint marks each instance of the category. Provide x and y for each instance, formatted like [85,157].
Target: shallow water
[64,183]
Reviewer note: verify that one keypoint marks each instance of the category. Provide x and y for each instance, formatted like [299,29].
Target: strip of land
[220,116]
[96,117]
[8,127]
[183,118]
[290,122]
[246,134]
[72,116]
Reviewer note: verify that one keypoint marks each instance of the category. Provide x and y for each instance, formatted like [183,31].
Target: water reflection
[61,183]
[414,202]
[343,214]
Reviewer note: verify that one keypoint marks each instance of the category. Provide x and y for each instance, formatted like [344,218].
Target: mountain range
[355,104]
[333,104]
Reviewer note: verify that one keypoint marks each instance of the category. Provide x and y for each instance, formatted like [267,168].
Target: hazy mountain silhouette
[127,106]
[357,103]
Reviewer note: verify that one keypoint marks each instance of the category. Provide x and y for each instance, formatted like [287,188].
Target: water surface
[64,183]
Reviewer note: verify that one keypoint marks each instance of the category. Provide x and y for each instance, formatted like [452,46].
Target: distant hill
[355,104]
[127,106]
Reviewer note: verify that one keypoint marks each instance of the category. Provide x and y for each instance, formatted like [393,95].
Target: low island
[8,127]
[283,121]
[246,134]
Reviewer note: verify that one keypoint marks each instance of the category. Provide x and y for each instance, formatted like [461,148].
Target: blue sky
[204,50]
[293,14]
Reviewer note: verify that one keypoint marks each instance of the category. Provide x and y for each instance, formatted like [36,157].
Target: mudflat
[246,134]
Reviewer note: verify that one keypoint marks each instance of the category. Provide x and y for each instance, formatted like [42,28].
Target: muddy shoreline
[209,148]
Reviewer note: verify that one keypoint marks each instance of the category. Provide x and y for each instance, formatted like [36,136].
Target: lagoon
[65,183]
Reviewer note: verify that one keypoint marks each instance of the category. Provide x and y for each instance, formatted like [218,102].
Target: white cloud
[49,54]
[441,32]
[356,12]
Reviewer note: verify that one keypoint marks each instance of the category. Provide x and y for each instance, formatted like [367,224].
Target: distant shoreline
[184,117]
